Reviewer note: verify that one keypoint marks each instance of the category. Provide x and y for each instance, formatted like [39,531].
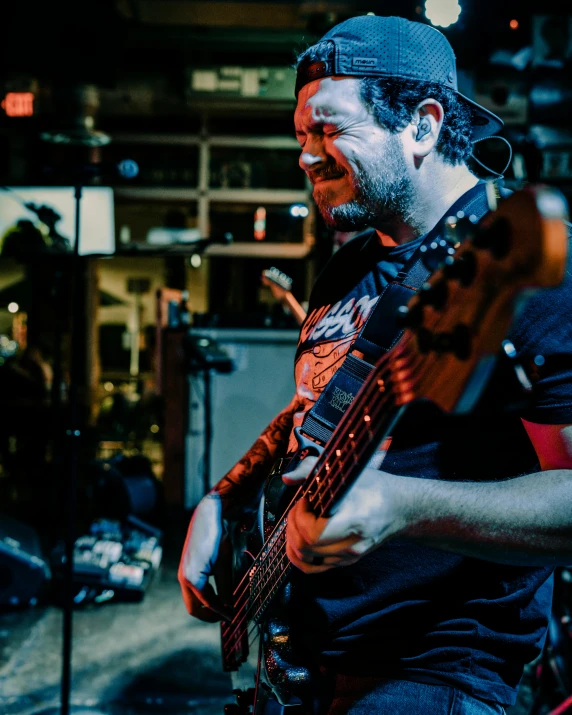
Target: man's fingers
[304,547]
[301,527]
[303,565]
[311,562]
[300,474]
[335,548]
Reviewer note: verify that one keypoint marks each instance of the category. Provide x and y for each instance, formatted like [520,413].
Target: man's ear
[424,128]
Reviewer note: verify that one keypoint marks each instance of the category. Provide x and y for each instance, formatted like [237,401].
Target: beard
[383,192]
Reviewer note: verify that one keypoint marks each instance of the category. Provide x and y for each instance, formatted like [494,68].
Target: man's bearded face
[358,168]
[381,187]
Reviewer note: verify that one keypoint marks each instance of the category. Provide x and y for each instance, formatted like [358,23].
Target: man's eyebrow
[313,124]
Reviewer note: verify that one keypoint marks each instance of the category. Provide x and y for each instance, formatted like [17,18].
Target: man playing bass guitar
[429,588]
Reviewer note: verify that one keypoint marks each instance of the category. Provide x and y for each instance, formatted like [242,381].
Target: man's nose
[309,161]
[312,156]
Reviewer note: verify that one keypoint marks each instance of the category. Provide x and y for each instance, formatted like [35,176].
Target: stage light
[18,104]
[260,224]
[128,169]
[299,211]
[442,12]
[514,24]
[13,307]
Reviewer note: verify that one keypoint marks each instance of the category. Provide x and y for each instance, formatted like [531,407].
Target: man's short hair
[393,101]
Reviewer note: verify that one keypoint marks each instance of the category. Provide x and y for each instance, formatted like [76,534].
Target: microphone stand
[73,434]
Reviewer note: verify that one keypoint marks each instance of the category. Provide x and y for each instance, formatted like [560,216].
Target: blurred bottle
[184,312]
[173,313]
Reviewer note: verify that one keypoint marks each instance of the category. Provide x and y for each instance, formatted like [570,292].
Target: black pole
[72,441]
[208,431]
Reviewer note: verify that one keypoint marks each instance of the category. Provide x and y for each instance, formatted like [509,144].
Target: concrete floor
[147,658]
[128,658]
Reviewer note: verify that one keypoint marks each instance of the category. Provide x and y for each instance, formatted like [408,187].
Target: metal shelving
[204,195]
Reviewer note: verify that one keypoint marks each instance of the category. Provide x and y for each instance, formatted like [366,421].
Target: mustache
[328,172]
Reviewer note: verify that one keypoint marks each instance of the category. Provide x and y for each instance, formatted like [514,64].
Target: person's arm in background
[238,491]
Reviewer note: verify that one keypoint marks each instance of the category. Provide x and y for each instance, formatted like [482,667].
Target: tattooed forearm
[250,472]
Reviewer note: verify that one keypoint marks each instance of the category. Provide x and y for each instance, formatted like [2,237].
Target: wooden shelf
[267,196]
[259,250]
[248,142]
[151,193]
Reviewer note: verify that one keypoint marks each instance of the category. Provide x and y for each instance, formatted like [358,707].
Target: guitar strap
[382,330]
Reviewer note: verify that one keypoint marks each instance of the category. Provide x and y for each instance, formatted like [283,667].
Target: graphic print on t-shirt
[325,339]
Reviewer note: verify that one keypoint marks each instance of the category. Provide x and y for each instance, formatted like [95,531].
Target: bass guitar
[452,326]
[281,288]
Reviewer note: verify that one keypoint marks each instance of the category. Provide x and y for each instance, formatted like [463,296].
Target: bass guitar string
[274,555]
[270,569]
[259,559]
[246,592]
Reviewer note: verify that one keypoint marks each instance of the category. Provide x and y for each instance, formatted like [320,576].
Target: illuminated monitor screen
[97,224]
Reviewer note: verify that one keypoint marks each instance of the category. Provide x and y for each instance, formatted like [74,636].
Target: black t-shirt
[409,610]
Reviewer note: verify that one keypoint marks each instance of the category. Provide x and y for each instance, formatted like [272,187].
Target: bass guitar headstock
[463,312]
[278,282]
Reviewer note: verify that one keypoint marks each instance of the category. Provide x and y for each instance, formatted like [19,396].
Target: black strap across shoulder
[382,330]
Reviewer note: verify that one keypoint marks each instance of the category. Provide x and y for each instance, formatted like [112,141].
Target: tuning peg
[424,340]
[459,228]
[442,342]
[497,238]
[457,342]
[461,341]
[463,268]
[434,294]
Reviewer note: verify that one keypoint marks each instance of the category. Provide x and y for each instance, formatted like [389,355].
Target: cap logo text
[364,62]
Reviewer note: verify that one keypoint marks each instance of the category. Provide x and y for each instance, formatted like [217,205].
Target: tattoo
[250,472]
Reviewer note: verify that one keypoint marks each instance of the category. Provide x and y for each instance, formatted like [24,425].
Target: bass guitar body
[283,678]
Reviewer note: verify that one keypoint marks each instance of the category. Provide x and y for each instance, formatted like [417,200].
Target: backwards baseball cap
[393,47]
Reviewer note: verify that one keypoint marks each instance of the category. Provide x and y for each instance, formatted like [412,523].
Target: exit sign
[18,104]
